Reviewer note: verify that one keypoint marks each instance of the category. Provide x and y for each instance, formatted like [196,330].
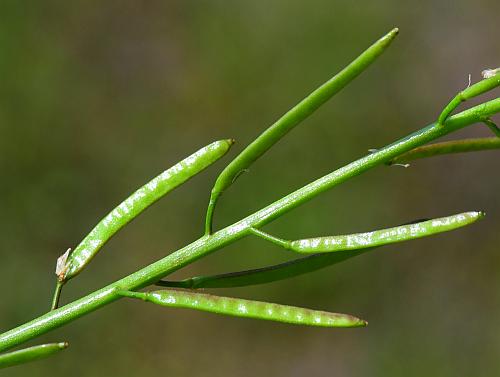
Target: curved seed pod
[30,354]
[448,147]
[385,236]
[135,204]
[267,274]
[490,82]
[293,117]
[247,308]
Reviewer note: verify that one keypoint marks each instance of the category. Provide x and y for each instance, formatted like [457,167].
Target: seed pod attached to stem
[292,118]
[247,308]
[72,263]
[328,251]
[381,237]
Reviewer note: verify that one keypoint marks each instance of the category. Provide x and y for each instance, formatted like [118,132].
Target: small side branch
[57,294]
[268,237]
[492,126]
[483,86]
[448,147]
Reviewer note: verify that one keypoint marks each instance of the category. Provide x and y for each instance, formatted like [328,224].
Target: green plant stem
[208,244]
[57,294]
[448,147]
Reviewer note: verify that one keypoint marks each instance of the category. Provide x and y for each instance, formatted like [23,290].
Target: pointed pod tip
[387,39]
[477,215]
[392,34]
[63,345]
[361,323]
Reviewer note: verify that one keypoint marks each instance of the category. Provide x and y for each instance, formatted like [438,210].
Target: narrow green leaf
[267,274]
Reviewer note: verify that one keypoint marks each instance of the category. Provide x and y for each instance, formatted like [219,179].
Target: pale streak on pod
[30,354]
[138,202]
[247,308]
[385,236]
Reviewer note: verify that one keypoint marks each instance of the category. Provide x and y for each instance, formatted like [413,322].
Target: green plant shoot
[69,266]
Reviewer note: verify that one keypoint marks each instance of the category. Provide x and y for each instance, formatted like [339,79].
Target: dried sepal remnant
[30,354]
[292,118]
[487,73]
[62,264]
[247,308]
[71,265]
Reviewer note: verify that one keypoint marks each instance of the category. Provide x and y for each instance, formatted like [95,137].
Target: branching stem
[208,244]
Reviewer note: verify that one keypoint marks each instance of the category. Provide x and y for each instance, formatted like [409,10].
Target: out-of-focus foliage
[98,97]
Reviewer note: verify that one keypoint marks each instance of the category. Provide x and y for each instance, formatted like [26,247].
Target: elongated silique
[292,118]
[30,354]
[384,236]
[344,247]
[247,308]
[137,203]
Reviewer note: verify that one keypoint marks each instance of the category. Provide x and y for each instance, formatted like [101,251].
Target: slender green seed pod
[345,247]
[267,274]
[72,264]
[448,147]
[490,82]
[292,118]
[247,308]
[385,236]
[30,354]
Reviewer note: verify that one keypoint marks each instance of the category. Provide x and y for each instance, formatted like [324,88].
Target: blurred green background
[96,98]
